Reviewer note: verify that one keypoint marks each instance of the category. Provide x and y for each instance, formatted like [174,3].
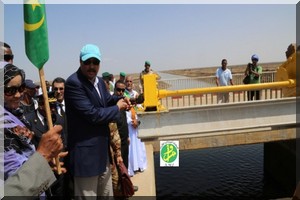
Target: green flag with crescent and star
[36,33]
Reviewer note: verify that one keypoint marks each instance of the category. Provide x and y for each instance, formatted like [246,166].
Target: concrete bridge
[213,125]
[199,115]
[222,124]
[208,126]
[273,118]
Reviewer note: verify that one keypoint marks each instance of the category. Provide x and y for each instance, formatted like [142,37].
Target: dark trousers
[56,191]
[63,187]
[253,94]
[125,152]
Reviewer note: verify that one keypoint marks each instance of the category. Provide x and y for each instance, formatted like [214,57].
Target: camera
[138,100]
[250,66]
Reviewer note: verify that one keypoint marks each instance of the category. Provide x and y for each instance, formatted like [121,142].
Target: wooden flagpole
[48,111]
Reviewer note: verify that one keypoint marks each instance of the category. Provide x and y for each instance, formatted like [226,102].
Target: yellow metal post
[151,102]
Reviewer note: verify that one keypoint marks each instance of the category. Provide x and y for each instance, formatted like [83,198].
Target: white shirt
[96,86]
[224,76]
[61,106]
[133,93]
[41,117]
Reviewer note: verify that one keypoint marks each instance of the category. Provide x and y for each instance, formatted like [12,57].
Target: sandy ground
[208,71]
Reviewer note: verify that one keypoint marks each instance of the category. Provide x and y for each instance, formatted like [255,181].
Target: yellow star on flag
[34,3]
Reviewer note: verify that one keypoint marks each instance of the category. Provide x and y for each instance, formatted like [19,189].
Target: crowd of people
[29,169]
[95,128]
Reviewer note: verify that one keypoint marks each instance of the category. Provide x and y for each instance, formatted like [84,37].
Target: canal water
[192,83]
[226,173]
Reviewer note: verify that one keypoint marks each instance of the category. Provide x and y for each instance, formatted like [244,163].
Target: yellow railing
[153,96]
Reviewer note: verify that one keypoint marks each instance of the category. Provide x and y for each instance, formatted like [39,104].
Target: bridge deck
[221,119]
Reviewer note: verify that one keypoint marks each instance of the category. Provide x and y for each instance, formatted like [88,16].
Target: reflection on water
[177,82]
[235,172]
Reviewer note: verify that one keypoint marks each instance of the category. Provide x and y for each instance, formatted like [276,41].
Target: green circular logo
[169,153]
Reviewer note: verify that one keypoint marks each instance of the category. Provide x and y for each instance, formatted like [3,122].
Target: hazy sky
[171,36]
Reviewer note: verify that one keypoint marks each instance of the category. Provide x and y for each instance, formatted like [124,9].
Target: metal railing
[211,98]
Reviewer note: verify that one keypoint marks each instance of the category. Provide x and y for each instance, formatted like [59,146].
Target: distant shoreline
[210,71]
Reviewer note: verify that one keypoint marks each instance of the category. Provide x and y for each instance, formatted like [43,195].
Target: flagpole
[37,49]
[48,111]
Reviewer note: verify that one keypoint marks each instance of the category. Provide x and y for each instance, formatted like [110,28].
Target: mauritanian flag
[36,33]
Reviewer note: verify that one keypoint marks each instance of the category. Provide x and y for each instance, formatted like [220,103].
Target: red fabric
[124,178]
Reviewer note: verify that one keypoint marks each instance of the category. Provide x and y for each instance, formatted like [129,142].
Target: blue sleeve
[12,162]
[82,99]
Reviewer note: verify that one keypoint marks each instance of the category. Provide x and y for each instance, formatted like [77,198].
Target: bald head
[129,83]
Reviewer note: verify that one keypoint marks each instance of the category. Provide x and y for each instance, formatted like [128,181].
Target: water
[181,82]
[235,172]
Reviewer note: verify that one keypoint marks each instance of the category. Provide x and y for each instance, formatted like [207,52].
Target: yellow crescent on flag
[35,26]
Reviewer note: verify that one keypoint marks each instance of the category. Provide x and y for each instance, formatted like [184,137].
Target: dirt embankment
[210,71]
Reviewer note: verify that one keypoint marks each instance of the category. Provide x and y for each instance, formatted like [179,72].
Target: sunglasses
[94,61]
[8,57]
[56,88]
[120,90]
[12,90]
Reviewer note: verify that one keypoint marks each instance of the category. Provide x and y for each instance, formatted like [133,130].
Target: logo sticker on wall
[169,153]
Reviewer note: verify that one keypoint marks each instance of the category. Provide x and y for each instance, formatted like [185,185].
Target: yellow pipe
[169,93]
